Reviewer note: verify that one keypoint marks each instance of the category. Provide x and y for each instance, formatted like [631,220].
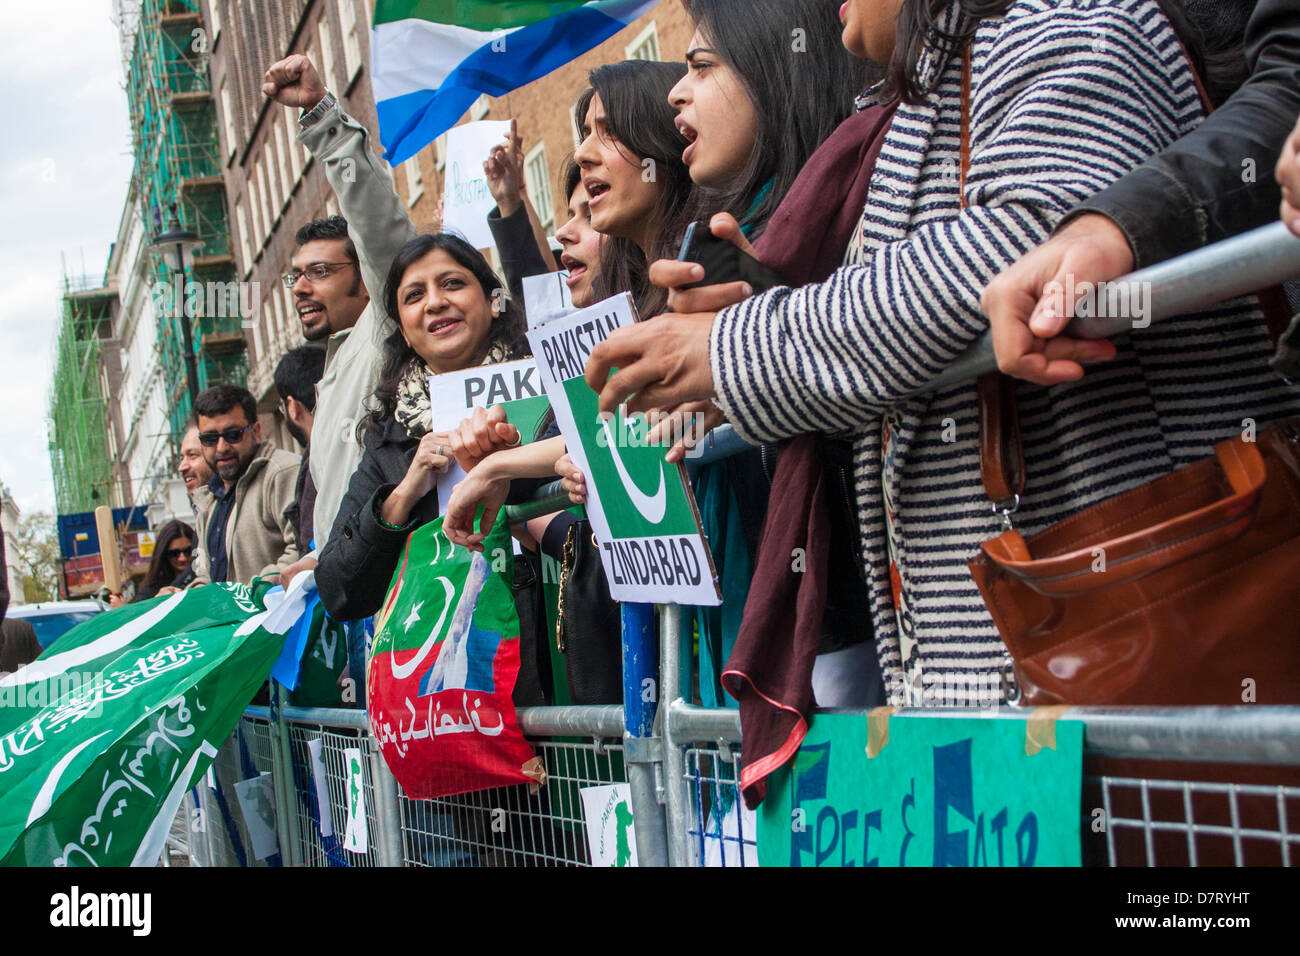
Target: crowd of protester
[918,172]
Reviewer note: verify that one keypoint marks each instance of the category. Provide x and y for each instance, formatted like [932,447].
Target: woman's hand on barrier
[672,274]
[1026,303]
[482,486]
[432,459]
[572,480]
[484,432]
[661,362]
[685,426]
[1288,177]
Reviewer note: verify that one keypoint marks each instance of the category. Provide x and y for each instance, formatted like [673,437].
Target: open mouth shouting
[596,190]
[691,136]
[576,269]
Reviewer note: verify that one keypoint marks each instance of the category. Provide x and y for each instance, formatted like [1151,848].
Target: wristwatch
[317,113]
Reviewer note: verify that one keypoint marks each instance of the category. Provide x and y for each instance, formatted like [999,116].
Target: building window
[326,53]
[287,165]
[440,152]
[254,214]
[228,120]
[241,224]
[645,46]
[351,41]
[214,21]
[538,179]
[480,107]
[414,180]
[264,189]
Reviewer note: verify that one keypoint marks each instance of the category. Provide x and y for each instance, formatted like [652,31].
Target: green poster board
[641,508]
[935,792]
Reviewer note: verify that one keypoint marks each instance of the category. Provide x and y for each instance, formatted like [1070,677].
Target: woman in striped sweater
[1066,97]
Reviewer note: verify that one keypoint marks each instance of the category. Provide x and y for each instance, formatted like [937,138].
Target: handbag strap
[1002,457]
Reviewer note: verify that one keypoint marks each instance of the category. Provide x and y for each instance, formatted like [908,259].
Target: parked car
[52,619]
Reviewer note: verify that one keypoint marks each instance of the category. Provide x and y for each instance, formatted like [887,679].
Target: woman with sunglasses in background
[171,567]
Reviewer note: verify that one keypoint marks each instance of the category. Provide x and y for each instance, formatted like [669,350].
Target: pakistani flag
[443,667]
[431,59]
[102,735]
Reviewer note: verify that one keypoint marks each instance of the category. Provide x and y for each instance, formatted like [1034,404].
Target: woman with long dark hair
[170,567]
[449,312]
[757,102]
[637,185]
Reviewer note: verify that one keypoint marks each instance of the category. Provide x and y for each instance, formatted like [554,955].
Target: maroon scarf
[770,668]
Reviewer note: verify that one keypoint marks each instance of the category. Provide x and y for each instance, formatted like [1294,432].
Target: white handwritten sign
[466,200]
[355,835]
[546,296]
[608,813]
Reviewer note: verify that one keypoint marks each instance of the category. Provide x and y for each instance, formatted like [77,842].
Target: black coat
[1197,190]
[357,563]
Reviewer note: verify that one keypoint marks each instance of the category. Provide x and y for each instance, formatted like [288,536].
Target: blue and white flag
[431,59]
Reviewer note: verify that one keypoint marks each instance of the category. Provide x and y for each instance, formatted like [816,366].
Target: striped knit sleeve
[1066,101]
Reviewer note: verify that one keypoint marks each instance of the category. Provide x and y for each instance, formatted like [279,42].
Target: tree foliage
[33,548]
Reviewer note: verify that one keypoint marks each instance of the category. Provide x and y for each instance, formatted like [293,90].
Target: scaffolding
[178,167]
[80,457]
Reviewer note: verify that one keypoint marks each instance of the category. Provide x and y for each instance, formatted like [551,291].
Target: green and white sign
[641,507]
[884,790]
[455,395]
[608,814]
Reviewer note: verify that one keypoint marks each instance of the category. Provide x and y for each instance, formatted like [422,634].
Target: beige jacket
[379,226]
[259,538]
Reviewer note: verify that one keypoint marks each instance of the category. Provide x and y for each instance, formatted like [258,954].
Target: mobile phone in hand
[723,261]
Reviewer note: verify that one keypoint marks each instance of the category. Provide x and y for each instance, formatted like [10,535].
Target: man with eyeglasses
[244,532]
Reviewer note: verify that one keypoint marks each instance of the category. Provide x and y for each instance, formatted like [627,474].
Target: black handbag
[588,625]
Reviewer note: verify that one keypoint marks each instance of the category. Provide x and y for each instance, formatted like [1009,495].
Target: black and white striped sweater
[1067,96]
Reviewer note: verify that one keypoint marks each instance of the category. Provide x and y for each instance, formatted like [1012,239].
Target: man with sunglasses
[244,531]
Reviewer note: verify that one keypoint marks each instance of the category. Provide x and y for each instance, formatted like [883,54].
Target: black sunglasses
[177,552]
[233,436]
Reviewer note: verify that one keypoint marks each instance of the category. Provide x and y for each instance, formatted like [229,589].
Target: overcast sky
[64,166]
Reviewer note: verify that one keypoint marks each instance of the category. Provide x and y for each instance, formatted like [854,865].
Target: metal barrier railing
[683,762]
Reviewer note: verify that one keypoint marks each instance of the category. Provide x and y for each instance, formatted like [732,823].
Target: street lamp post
[177,247]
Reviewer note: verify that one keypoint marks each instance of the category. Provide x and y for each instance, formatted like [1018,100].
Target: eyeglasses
[233,436]
[177,552]
[316,271]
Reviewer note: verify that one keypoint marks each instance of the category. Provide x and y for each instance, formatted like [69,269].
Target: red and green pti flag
[443,667]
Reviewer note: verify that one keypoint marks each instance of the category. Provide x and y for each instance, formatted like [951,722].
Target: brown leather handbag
[1183,591]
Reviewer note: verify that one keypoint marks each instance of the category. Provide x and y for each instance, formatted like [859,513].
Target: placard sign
[927,791]
[641,508]
[466,200]
[546,296]
[454,396]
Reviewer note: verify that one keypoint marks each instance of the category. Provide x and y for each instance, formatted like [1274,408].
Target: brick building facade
[271,184]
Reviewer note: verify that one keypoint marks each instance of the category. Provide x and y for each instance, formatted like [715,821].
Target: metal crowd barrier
[1175,786]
